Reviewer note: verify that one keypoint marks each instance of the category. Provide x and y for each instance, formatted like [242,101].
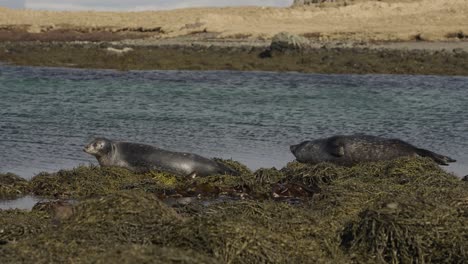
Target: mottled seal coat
[352,149]
[141,157]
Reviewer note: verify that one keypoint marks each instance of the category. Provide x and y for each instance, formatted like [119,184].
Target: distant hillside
[402,20]
[344,2]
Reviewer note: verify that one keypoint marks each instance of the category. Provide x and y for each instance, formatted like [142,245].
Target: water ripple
[48,114]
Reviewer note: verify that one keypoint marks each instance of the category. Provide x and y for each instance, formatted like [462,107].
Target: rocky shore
[396,37]
[402,211]
[245,56]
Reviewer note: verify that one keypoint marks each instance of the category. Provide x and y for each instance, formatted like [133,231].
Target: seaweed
[413,231]
[335,59]
[151,254]
[92,181]
[17,225]
[12,185]
[406,210]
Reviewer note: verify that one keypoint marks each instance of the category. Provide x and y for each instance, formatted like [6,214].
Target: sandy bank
[364,21]
[407,37]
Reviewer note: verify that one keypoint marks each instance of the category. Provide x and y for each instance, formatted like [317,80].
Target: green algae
[12,185]
[125,217]
[402,211]
[349,60]
[105,253]
[151,254]
[85,181]
[413,231]
[253,232]
[234,165]
[16,225]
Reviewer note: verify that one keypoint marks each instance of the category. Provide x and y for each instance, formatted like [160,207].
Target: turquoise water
[47,115]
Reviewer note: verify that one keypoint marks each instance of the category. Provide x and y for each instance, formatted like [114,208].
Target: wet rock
[118,52]
[285,41]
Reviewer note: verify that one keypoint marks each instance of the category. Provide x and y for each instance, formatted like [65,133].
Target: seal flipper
[226,169]
[440,159]
[335,146]
[192,175]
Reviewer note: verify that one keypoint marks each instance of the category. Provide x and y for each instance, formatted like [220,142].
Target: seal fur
[352,149]
[140,157]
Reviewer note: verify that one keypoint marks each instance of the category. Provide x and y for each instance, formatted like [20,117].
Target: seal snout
[86,148]
[293,148]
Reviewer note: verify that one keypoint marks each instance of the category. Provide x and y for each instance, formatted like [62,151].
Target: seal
[140,158]
[349,150]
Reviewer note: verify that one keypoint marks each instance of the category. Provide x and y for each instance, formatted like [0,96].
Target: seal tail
[440,159]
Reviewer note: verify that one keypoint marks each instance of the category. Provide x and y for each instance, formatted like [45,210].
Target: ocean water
[47,115]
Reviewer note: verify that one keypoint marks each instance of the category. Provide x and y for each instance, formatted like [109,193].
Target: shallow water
[23,203]
[49,114]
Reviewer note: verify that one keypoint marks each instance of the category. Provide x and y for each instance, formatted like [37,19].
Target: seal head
[99,147]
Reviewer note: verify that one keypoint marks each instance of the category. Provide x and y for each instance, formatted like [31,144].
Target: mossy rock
[404,210]
[55,251]
[411,231]
[243,242]
[16,225]
[259,232]
[12,185]
[92,181]
[150,254]
[312,176]
[127,216]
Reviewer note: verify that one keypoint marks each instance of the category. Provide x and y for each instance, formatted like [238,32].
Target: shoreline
[360,37]
[200,53]
[95,214]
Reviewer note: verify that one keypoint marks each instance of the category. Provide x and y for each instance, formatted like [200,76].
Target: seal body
[348,150]
[141,157]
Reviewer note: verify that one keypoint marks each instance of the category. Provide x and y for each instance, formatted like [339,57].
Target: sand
[363,21]
[364,37]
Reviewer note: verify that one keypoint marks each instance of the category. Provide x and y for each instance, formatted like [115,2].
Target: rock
[114,51]
[309,2]
[285,41]
[34,29]
[60,210]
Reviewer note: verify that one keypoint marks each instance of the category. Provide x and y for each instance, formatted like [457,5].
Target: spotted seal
[352,149]
[141,157]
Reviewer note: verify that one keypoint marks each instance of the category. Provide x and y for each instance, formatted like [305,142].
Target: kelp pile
[12,185]
[402,211]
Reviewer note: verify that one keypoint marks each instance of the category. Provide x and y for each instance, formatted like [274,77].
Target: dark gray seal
[141,158]
[352,149]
